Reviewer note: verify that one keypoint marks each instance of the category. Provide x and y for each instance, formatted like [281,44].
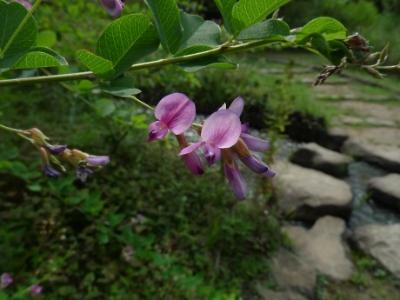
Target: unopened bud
[37,136]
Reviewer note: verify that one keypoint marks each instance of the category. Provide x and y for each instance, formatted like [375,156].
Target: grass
[369,281]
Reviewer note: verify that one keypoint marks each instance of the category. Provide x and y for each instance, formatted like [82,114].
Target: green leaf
[197,32]
[46,38]
[122,87]
[225,7]
[218,62]
[339,50]
[127,40]
[104,107]
[318,43]
[11,16]
[248,12]
[168,22]
[331,29]
[270,29]
[40,57]
[100,66]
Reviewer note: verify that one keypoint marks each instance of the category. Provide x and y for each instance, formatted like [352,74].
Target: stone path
[368,131]
[306,194]
[381,242]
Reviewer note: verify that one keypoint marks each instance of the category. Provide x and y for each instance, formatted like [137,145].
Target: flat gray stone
[293,274]
[307,194]
[267,294]
[386,190]
[316,157]
[384,156]
[334,139]
[323,248]
[381,242]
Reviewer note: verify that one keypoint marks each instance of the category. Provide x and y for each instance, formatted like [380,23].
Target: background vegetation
[143,228]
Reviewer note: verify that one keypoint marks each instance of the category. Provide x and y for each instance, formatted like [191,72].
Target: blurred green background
[142,228]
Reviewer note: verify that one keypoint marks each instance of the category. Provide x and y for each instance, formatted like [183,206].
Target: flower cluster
[6,280]
[222,137]
[53,155]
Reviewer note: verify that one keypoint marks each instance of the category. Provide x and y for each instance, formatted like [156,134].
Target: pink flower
[5,280]
[221,130]
[254,143]
[175,113]
[191,160]
[113,7]
[25,3]
[248,142]
[233,175]
[35,290]
[241,149]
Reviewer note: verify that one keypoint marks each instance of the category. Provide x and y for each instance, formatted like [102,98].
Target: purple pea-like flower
[175,113]
[192,160]
[82,174]
[5,280]
[221,130]
[248,142]
[56,149]
[47,168]
[49,171]
[90,163]
[113,7]
[97,161]
[254,143]
[233,175]
[36,290]
[25,3]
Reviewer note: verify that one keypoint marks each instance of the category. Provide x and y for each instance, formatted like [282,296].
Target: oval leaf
[330,28]
[127,40]
[225,7]
[13,47]
[168,22]
[198,32]
[248,12]
[40,57]
[270,29]
[121,87]
[99,66]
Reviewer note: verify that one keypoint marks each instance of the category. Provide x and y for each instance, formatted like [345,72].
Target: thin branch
[152,64]
[13,130]
[140,102]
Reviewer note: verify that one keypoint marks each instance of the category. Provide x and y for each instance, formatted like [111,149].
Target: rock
[385,136]
[334,138]
[306,194]
[267,294]
[293,274]
[366,121]
[384,156]
[386,190]
[381,242]
[323,247]
[316,157]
